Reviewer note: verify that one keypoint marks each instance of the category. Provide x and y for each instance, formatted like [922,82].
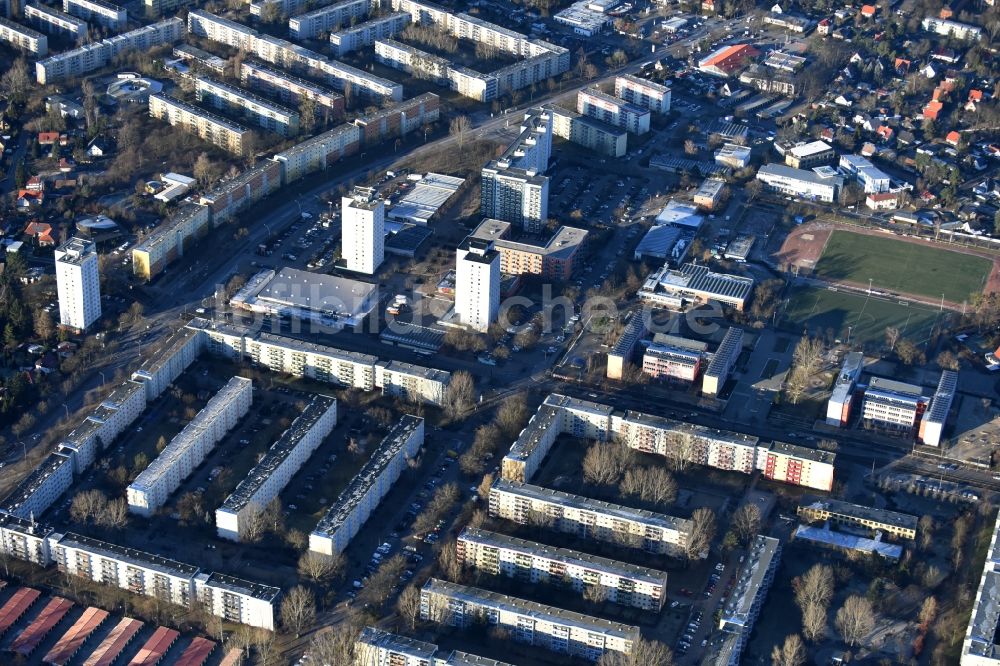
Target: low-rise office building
[217,130]
[100,12]
[24,38]
[808,155]
[528,622]
[694,284]
[373,481]
[824,185]
[733,156]
[623,350]
[54,22]
[674,358]
[872,179]
[710,193]
[90,57]
[827,509]
[273,472]
[642,92]
[589,518]
[349,39]
[189,447]
[530,561]
[617,112]
[893,405]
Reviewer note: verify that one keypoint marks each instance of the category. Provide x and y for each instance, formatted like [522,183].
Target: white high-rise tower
[363,231]
[78,284]
[477,284]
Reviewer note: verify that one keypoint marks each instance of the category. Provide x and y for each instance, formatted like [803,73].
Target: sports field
[818,310]
[900,266]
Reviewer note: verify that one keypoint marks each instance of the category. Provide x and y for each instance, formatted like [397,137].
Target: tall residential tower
[78,284]
[477,283]
[363,231]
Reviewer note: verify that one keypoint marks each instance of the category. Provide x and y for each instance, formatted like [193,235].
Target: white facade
[962,31]
[331,17]
[103,13]
[616,112]
[40,489]
[53,21]
[477,284]
[24,38]
[800,182]
[363,228]
[78,284]
[513,187]
[528,622]
[364,34]
[412,382]
[891,404]
[589,518]
[24,540]
[362,496]
[178,352]
[530,561]
[273,472]
[872,179]
[190,446]
[264,113]
[640,92]
[236,600]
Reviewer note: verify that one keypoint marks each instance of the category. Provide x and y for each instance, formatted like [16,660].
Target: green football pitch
[820,310]
[899,266]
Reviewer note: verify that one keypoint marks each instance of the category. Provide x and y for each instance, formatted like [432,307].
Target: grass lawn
[818,309]
[895,265]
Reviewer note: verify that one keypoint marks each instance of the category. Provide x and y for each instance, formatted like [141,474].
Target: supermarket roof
[421,203]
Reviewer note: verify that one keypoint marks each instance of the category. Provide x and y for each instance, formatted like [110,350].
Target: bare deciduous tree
[298,609]
[650,484]
[512,415]
[458,128]
[451,566]
[321,568]
[408,606]
[814,622]
[815,586]
[791,653]
[644,653]
[605,462]
[335,646]
[746,523]
[702,533]
[855,619]
[460,394]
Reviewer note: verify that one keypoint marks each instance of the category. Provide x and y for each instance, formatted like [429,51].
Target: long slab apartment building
[529,561]
[826,509]
[54,22]
[589,518]
[349,39]
[721,449]
[189,447]
[222,132]
[102,13]
[262,112]
[24,38]
[612,110]
[377,646]
[643,93]
[536,624]
[369,486]
[273,471]
[89,57]
[325,19]
[291,89]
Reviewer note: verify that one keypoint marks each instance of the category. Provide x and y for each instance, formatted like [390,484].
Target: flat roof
[749,582]
[794,450]
[532,609]
[358,488]
[732,343]
[24,490]
[189,436]
[691,429]
[318,406]
[698,278]
[391,642]
[854,362]
[680,214]
[940,405]
[241,586]
[710,187]
[562,244]
[458,658]
[563,555]
[128,555]
[243,94]
[423,372]
[634,329]
[828,537]
[811,148]
[315,291]
[199,112]
[581,503]
[804,175]
[414,335]
[533,433]
[859,511]
[893,386]
[427,196]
